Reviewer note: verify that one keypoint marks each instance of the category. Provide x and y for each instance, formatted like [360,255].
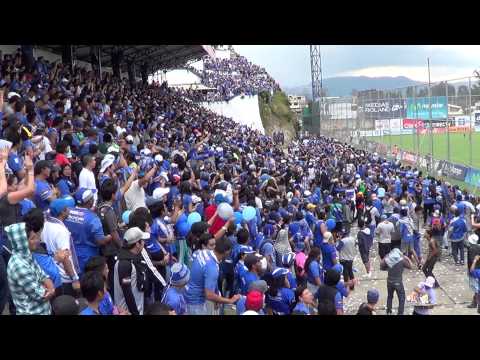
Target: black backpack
[111,248]
[326,300]
[367,216]
[276,255]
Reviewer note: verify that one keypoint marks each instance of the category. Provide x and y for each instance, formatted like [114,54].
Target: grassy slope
[277,116]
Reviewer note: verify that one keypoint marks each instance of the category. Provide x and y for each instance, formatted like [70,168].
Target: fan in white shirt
[87,177]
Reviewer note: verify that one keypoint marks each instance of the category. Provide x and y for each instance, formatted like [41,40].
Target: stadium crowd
[117,200]
[232,77]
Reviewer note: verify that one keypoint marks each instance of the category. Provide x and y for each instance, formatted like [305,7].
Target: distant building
[297,103]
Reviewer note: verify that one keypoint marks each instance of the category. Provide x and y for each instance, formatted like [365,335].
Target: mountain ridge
[344,85]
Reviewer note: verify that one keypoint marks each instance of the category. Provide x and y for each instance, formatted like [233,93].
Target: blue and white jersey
[203,275]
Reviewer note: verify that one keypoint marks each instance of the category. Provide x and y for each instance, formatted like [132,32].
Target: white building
[297,103]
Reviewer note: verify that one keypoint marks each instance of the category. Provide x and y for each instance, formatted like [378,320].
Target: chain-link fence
[434,125]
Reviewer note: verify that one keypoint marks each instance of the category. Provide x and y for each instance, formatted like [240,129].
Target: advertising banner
[457,172]
[419,108]
[388,124]
[452,129]
[413,124]
[477,118]
[473,177]
[409,157]
[382,109]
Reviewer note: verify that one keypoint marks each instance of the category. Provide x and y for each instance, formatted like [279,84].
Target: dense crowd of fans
[231,77]
[119,200]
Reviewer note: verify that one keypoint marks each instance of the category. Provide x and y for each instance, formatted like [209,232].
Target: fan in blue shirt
[329,255]
[203,282]
[279,298]
[174,294]
[86,228]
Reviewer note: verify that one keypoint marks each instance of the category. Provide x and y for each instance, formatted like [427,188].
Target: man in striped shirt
[202,295]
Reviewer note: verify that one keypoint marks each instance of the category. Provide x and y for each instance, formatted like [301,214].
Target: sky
[290,64]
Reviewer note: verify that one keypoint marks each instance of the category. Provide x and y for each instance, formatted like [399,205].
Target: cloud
[418,73]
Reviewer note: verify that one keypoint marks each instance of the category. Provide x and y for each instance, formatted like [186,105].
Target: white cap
[12,94]
[473,239]
[159,193]
[196,199]
[327,236]
[134,235]
[144,152]
[158,158]
[129,138]
[107,161]
[430,282]
[250,312]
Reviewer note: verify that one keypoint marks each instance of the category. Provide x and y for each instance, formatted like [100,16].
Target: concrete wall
[243,111]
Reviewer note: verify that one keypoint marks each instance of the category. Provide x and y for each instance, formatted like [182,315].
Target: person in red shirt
[215,221]
[212,217]
[61,159]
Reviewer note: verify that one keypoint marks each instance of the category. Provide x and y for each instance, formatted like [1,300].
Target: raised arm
[17,196]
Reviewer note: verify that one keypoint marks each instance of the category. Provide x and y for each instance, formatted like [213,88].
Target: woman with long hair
[66,183]
[314,269]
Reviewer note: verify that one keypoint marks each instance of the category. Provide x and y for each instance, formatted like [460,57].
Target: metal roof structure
[157,57]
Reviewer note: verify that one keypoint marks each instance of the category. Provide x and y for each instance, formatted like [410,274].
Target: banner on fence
[473,177]
[381,109]
[412,124]
[454,171]
[388,124]
[419,108]
[409,157]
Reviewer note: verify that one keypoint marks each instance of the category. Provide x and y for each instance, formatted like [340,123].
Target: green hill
[276,114]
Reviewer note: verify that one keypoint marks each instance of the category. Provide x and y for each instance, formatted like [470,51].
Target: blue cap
[245,249]
[219,198]
[279,272]
[372,296]
[338,268]
[59,205]
[180,274]
[288,259]
[84,195]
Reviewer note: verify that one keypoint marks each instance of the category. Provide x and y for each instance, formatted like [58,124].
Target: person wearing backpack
[337,213]
[396,235]
[346,253]
[300,273]
[395,262]
[267,249]
[109,220]
[328,297]
[364,245]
